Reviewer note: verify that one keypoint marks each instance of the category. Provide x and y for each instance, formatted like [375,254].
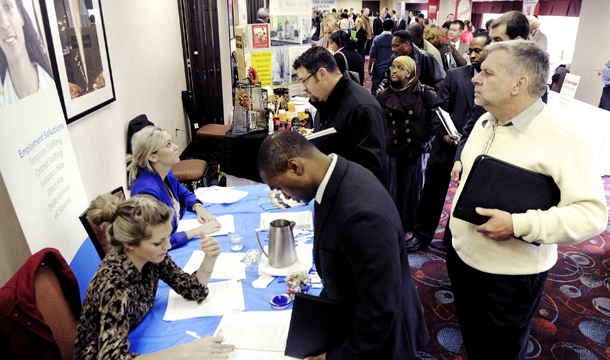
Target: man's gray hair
[262,14]
[527,59]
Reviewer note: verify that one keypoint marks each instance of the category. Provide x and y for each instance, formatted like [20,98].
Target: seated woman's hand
[208,228]
[203,216]
[209,348]
[210,247]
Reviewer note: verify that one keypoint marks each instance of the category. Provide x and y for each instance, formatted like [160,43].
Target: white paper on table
[263,281]
[304,261]
[228,265]
[220,195]
[303,219]
[225,297]
[227,222]
[256,330]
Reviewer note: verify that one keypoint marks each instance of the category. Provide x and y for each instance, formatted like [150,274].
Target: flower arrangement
[253,75]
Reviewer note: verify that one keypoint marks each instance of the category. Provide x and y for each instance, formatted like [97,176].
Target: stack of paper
[256,334]
[227,222]
[225,297]
[220,195]
[228,265]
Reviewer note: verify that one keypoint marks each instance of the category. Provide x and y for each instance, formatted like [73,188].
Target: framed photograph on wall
[79,55]
[23,42]
[230,8]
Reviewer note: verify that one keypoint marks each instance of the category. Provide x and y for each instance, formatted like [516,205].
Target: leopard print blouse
[119,297]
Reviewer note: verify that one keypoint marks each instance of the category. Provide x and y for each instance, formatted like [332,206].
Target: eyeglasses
[392,68]
[304,81]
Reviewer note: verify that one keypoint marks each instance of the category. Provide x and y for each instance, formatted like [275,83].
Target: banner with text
[463,9]
[41,173]
[433,9]
[327,5]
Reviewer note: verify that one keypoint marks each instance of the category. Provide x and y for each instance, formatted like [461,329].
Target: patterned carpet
[573,321]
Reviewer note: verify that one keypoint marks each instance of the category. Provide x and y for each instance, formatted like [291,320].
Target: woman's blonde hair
[367,26]
[144,143]
[128,221]
[436,36]
[331,24]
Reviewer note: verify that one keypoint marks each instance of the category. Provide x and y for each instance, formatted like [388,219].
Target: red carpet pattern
[573,321]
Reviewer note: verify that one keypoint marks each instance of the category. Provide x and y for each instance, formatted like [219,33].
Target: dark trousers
[495,312]
[604,102]
[432,201]
[378,73]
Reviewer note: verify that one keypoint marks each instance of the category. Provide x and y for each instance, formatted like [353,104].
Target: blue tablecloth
[155,334]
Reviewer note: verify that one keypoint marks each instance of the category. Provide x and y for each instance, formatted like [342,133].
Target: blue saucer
[280,301]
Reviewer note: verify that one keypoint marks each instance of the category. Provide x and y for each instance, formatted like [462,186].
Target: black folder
[317,325]
[496,184]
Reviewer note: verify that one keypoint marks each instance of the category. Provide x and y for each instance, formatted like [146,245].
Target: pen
[193,334]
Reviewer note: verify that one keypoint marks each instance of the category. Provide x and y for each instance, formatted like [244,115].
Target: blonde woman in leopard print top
[123,289]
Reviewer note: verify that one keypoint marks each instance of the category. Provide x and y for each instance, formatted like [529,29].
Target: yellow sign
[261,62]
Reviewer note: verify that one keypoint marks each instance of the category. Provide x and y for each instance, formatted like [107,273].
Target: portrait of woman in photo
[24,62]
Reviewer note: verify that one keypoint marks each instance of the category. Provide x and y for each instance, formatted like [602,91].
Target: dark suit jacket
[456,96]
[399,25]
[377,26]
[462,49]
[359,251]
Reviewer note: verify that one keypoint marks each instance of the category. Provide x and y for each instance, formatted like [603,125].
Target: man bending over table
[359,247]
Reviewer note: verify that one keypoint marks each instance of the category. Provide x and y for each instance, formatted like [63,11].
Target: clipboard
[447,123]
[317,325]
[496,184]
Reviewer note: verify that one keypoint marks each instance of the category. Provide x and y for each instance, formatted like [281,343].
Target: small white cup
[236,239]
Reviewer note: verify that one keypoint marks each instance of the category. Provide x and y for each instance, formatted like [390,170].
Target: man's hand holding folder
[500,225]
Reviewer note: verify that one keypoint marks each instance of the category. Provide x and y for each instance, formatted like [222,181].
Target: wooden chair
[97,234]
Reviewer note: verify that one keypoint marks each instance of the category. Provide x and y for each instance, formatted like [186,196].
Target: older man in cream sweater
[498,280]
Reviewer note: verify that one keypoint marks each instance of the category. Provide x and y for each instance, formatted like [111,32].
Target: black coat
[399,25]
[359,252]
[358,118]
[377,26]
[409,120]
[361,36]
[354,61]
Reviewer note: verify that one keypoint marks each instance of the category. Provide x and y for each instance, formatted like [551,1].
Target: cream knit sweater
[552,146]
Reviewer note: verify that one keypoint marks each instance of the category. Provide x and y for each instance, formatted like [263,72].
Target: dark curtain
[547,7]
[253,6]
[476,20]
[415,7]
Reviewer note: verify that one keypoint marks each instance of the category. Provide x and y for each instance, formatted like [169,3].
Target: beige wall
[445,8]
[145,47]
[592,49]
[15,250]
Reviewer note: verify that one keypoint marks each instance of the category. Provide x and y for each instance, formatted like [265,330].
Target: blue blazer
[150,183]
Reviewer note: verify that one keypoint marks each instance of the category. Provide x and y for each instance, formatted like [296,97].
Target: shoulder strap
[344,58]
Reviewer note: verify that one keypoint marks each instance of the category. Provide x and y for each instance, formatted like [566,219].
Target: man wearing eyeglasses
[345,105]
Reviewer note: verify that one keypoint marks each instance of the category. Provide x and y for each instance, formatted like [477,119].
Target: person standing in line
[604,72]
[407,106]
[498,270]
